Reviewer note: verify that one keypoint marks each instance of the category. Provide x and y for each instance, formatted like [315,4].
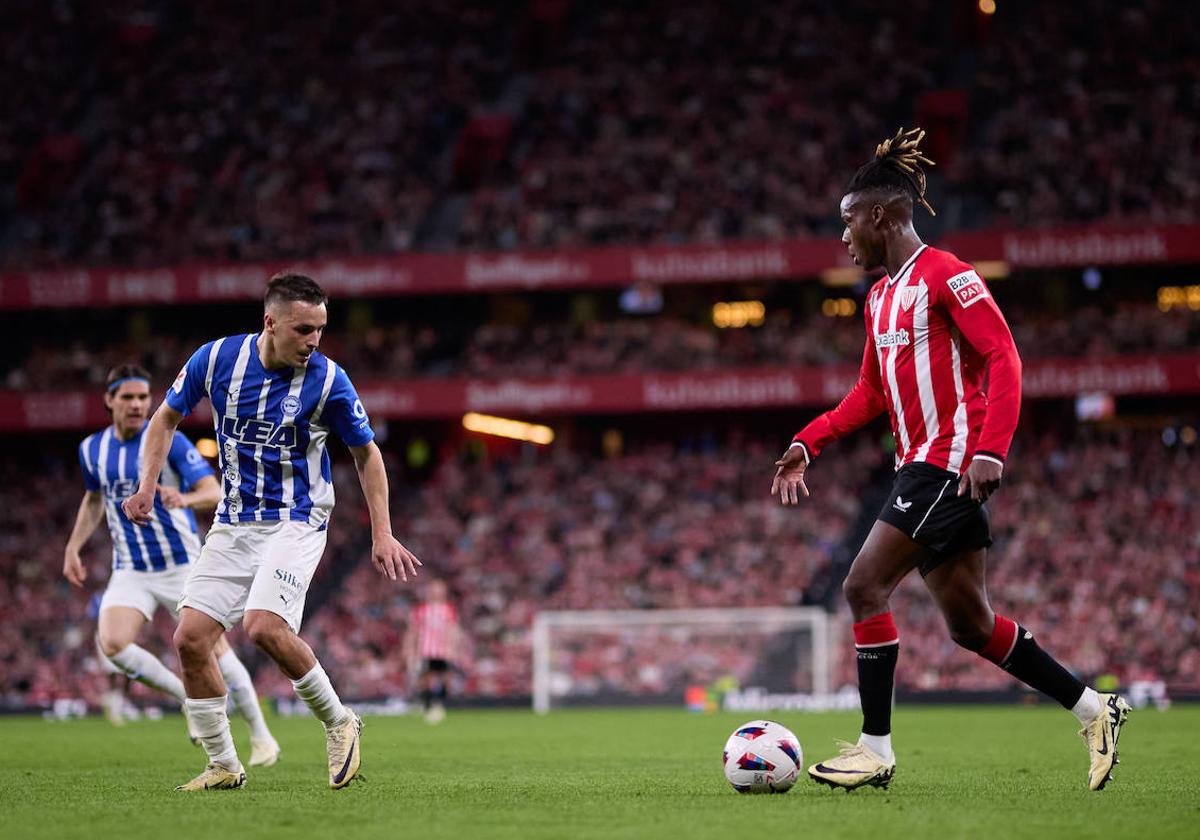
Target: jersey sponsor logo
[908,296]
[290,406]
[122,488]
[177,385]
[968,288]
[194,457]
[361,413]
[896,338]
[258,432]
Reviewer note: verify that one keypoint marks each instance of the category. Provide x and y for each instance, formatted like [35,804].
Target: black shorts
[925,505]
[436,666]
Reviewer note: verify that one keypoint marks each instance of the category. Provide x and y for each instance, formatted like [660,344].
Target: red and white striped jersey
[436,626]
[933,331]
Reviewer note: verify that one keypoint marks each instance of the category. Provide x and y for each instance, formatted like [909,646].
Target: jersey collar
[907,267]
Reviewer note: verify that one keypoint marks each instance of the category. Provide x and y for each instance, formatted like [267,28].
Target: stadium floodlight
[488,424]
[655,655]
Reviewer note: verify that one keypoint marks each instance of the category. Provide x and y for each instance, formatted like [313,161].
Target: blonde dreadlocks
[898,166]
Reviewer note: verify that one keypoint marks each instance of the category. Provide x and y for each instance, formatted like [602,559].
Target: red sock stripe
[876,631]
[1004,639]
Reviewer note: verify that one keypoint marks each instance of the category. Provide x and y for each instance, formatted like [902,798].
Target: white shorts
[254,566]
[145,591]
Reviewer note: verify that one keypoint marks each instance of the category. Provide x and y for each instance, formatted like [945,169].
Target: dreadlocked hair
[897,166]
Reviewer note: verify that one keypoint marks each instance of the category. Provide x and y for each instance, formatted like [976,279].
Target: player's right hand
[73,568]
[392,559]
[138,506]
[790,476]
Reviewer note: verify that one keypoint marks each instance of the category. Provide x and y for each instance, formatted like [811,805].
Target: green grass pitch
[966,772]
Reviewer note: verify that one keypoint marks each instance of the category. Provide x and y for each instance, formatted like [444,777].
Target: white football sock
[210,723]
[241,689]
[317,692]
[881,745]
[1088,707]
[141,665]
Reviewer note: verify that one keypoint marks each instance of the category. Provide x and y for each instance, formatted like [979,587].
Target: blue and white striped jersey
[111,465]
[271,426]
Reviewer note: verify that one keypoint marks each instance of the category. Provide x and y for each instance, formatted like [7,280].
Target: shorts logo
[290,406]
[901,505]
[908,297]
[288,578]
[968,288]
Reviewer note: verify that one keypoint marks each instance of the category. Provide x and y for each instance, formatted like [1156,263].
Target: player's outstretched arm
[790,476]
[390,557]
[158,435]
[91,511]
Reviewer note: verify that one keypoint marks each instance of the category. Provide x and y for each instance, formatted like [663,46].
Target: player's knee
[266,631]
[864,597]
[969,634]
[109,645]
[191,646]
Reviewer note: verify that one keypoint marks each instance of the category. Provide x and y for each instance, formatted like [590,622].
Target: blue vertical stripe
[113,473]
[178,553]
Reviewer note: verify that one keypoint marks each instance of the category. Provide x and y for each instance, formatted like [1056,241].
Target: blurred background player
[275,399]
[150,564]
[933,332]
[432,644]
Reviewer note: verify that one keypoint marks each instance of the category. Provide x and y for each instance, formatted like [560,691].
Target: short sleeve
[187,461]
[90,482]
[188,387]
[345,414]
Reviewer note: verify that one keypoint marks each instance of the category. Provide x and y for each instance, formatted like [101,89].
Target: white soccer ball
[762,756]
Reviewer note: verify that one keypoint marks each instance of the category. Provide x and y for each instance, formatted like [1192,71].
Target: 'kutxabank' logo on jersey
[257,432]
[896,338]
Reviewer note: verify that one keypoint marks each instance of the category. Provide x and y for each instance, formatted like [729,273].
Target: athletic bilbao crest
[908,296]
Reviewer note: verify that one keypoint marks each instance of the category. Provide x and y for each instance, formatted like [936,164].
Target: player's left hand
[392,559]
[171,497]
[981,479]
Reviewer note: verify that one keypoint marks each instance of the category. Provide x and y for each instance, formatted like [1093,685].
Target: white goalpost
[631,656]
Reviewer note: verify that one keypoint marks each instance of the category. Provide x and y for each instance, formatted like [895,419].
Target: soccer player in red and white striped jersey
[934,333]
[432,644]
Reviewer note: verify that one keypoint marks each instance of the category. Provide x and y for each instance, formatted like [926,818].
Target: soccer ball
[762,757]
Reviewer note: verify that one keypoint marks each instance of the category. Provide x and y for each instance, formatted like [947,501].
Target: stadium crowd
[673,526]
[620,345]
[207,131]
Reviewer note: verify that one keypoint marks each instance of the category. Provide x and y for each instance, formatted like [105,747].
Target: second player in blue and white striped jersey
[110,464]
[271,426]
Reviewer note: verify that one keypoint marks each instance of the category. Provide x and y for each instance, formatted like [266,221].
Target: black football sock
[1014,649]
[878,646]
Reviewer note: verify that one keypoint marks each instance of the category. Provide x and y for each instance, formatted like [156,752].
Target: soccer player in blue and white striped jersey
[150,564]
[275,401]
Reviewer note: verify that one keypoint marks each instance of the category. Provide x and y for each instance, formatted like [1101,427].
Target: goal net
[625,657]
